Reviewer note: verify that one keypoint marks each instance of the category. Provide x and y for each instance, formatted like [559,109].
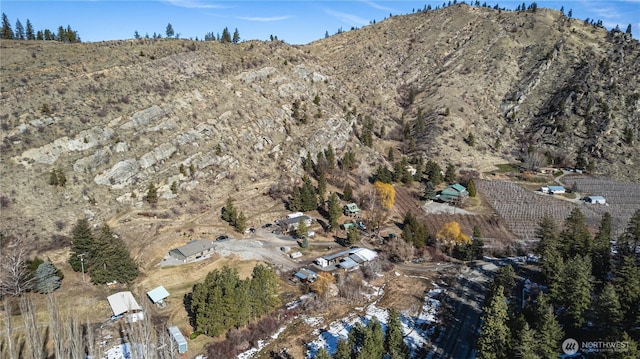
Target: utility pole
[82,263]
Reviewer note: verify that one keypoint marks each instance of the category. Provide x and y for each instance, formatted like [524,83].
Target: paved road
[466,298]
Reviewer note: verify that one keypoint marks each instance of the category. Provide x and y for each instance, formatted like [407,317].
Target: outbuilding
[158,295]
[123,304]
[180,340]
[595,200]
[351,209]
[306,275]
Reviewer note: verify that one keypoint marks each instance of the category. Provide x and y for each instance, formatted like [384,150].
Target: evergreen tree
[477,244]
[575,237]
[322,188]
[170,31]
[429,191]
[226,36]
[383,174]
[347,192]
[241,223]
[548,330]
[576,289]
[307,163]
[394,343]
[110,259]
[7,31]
[330,155]
[29,31]
[450,174]
[334,209]
[308,195]
[495,334]
[343,350]
[471,188]
[434,172]
[526,344]
[353,236]
[628,31]
[629,242]
[81,244]
[47,279]
[391,154]
[348,161]
[322,354]
[628,287]
[20,35]
[152,194]
[236,36]
[601,257]
[608,308]
[373,345]
[229,213]
[263,290]
[302,230]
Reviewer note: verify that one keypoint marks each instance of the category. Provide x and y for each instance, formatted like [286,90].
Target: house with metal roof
[194,250]
[350,209]
[306,275]
[158,295]
[452,192]
[348,263]
[553,189]
[291,224]
[123,304]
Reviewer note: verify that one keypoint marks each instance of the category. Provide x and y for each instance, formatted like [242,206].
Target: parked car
[222,238]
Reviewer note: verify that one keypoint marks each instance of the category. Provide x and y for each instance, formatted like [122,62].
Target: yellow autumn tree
[322,284]
[386,192]
[451,234]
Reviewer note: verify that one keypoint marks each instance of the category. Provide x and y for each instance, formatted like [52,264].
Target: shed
[158,295]
[322,262]
[595,199]
[365,254]
[180,340]
[123,302]
[194,250]
[306,275]
[350,209]
[556,189]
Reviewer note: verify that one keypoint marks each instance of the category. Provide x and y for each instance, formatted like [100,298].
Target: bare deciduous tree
[15,277]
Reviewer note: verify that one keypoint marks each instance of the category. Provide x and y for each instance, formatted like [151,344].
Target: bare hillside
[214,120]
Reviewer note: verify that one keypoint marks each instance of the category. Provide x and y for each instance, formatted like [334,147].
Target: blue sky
[295,21]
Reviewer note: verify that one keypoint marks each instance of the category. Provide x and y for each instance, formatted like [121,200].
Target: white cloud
[195,4]
[381,7]
[347,18]
[264,19]
[606,12]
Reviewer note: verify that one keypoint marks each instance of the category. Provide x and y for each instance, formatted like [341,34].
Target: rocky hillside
[215,119]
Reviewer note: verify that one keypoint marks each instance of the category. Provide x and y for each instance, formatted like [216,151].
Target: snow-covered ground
[416,328]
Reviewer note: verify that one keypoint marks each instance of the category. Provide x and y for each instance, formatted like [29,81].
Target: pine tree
[477,244]
[394,343]
[334,209]
[575,237]
[608,308]
[329,154]
[373,345]
[429,191]
[226,36]
[343,350]
[302,230]
[450,174]
[548,330]
[434,172]
[82,242]
[308,195]
[152,194]
[391,154]
[20,35]
[494,333]
[7,31]
[628,31]
[322,354]
[236,36]
[347,192]
[628,287]
[601,257]
[169,31]
[241,223]
[307,163]
[29,31]
[110,259]
[263,290]
[527,343]
[576,289]
[628,243]
[322,188]
[471,188]
[353,236]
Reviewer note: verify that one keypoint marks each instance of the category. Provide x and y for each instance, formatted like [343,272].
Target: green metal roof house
[351,209]
[453,191]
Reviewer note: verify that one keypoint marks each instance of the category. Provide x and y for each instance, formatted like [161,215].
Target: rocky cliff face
[215,119]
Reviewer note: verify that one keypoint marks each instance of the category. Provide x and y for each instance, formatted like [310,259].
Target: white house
[595,200]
